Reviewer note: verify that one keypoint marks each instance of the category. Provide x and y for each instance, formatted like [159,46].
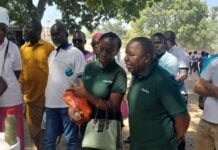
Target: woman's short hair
[115,38]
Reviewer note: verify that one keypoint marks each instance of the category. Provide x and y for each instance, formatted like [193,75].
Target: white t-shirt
[210,112]
[181,55]
[58,82]
[12,96]
[170,63]
[183,60]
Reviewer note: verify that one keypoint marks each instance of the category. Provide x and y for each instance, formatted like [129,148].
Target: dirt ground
[195,113]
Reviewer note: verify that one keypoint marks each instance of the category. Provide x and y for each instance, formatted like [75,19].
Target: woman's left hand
[74,114]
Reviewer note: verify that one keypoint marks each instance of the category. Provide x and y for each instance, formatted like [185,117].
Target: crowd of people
[157,95]
[196,61]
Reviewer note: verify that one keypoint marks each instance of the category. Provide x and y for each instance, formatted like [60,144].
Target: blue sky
[51,13]
[212,3]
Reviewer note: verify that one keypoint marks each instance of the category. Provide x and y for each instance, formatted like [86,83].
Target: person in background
[195,59]
[63,58]
[104,81]
[11,37]
[207,86]
[33,78]
[182,57]
[190,62]
[79,41]
[183,60]
[158,116]
[10,71]
[165,59]
[202,60]
[95,44]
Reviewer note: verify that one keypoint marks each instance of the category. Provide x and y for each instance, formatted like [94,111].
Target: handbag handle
[106,113]
[5,55]
[107,121]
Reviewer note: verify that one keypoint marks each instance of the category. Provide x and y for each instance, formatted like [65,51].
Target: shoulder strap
[5,55]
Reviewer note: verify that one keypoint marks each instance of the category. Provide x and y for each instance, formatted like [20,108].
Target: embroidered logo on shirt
[145,91]
[88,77]
[107,81]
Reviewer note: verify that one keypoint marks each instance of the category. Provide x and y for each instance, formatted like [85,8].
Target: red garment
[96,36]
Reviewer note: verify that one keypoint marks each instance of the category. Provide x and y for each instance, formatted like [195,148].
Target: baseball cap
[4,17]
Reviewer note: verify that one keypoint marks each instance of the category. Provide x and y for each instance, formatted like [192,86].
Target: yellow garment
[34,117]
[33,81]
[34,75]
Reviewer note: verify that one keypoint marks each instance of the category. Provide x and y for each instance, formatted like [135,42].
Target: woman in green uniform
[104,81]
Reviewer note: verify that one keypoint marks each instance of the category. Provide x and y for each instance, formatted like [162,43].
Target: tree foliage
[77,13]
[90,13]
[116,26]
[214,13]
[188,19]
[22,11]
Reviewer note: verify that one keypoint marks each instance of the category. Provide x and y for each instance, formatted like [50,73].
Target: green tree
[77,13]
[116,26]
[188,19]
[21,11]
[213,15]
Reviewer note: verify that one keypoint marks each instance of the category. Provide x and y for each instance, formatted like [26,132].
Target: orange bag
[78,103]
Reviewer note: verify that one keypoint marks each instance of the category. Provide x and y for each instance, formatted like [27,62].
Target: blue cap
[68,72]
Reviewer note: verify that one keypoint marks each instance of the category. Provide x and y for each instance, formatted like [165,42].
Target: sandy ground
[195,113]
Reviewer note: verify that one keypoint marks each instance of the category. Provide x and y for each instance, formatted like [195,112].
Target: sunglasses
[77,41]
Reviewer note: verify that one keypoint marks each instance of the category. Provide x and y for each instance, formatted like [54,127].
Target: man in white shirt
[65,57]
[10,67]
[183,60]
[207,85]
[182,57]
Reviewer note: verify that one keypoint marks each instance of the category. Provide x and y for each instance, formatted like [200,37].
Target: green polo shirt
[154,99]
[101,82]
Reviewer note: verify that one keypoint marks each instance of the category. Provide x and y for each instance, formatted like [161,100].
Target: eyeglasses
[77,41]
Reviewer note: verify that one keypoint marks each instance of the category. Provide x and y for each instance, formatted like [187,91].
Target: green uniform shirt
[101,82]
[154,99]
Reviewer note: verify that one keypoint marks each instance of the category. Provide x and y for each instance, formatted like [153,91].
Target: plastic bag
[77,104]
